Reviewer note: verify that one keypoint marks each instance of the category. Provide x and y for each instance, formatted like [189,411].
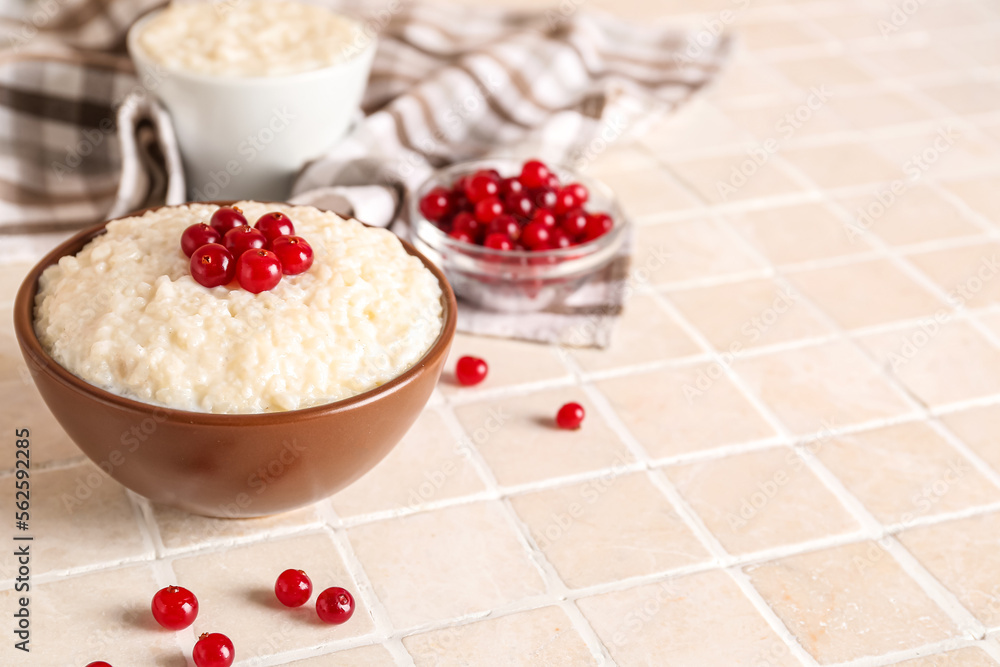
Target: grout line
[555,586]
[992,647]
[716,551]
[162,563]
[142,511]
[927,582]
[896,657]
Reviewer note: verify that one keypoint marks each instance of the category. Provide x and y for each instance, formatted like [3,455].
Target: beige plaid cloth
[82,140]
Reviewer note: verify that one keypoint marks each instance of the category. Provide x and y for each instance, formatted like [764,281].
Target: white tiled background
[792,451]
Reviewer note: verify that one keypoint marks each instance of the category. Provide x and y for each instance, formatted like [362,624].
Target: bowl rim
[435,237]
[41,361]
[136,52]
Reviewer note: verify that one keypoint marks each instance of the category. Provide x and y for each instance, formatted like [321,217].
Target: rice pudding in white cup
[255,88]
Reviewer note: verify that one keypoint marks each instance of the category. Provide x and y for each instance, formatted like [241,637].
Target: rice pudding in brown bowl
[220,401]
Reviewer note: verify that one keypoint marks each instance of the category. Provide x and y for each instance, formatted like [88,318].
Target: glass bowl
[516,280]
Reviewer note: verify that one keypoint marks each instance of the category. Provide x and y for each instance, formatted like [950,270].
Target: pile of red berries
[227,247]
[176,608]
[532,211]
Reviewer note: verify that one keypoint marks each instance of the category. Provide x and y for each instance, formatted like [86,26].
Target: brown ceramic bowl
[229,465]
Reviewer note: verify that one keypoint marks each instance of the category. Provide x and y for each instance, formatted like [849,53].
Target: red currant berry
[580,192]
[274,224]
[242,239]
[598,224]
[560,239]
[213,650]
[565,201]
[258,270]
[521,205]
[198,235]
[435,204]
[552,181]
[212,265]
[488,209]
[226,218]
[482,185]
[574,223]
[534,174]
[504,225]
[460,184]
[544,218]
[470,371]
[293,588]
[99,663]
[570,416]
[464,237]
[335,605]
[498,242]
[544,197]
[466,222]
[510,186]
[175,608]
[294,253]
[536,236]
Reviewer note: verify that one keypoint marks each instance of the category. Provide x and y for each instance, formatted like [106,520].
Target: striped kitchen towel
[81,139]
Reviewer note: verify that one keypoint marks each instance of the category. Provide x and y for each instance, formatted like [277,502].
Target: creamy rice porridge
[247,37]
[125,314]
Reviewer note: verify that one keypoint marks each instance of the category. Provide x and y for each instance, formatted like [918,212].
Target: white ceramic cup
[247,137]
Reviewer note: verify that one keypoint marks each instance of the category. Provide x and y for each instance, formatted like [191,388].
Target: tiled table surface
[792,454]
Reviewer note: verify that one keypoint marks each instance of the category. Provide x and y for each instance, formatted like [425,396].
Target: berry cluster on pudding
[532,211]
[228,248]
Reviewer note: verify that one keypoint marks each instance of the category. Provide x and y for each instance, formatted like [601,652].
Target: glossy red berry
[466,222]
[504,225]
[274,224]
[213,650]
[258,270]
[226,218]
[294,253]
[574,223]
[536,236]
[488,209]
[520,204]
[552,181]
[212,265]
[544,218]
[174,608]
[293,588]
[242,239]
[459,235]
[335,605]
[198,235]
[99,663]
[580,192]
[598,224]
[482,185]
[570,416]
[510,186]
[435,204]
[566,200]
[534,174]
[470,371]
[498,242]
[544,197]
[560,239]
